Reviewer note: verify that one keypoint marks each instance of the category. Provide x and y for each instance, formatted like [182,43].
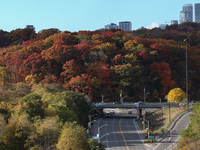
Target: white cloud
[153,25]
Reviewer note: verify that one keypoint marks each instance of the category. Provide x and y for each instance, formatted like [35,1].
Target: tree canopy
[176,95]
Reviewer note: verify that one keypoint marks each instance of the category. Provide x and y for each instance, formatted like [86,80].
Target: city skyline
[88,15]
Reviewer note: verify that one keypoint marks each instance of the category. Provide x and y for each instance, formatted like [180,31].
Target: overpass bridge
[138,106]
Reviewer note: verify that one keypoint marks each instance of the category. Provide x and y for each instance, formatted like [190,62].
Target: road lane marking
[114,134]
[139,132]
[123,134]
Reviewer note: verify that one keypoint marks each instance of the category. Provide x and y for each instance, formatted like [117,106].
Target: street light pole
[148,129]
[162,118]
[145,95]
[144,119]
[3,71]
[152,123]
[90,124]
[91,117]
[186,71]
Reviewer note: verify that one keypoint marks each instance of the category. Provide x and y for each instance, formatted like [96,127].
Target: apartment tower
[111,26]
[197,12]
[186,15]
[125,25]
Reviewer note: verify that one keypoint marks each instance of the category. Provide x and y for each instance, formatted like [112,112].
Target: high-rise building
[125,25]
[174,22]
[186,15]
[197,12]
[111,26]
[30,27]
[162,26]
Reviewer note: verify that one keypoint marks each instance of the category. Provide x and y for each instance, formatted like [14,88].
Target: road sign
[151,137]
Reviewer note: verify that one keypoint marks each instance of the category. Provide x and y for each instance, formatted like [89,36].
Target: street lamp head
[147,93]
[185,40]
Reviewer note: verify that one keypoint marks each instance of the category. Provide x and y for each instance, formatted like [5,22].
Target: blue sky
[75,15]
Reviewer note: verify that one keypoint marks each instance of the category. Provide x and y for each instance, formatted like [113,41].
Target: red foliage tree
[163,51]
[143,57]
[164,71]
[34,64]
[71,69]
[80,83]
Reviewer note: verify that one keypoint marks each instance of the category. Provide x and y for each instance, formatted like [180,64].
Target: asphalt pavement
[173,134]
[121,132]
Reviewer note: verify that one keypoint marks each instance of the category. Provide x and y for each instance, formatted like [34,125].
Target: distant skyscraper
[30,26]
[174,22]
[197,13]
[111,26]
[162,26]
[125,25]
[186,15]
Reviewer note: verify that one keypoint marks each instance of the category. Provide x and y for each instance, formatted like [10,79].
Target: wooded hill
[105,61]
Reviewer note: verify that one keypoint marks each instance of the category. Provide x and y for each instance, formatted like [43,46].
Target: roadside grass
[159,119]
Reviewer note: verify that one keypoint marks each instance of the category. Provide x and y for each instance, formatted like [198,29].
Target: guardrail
[133,105]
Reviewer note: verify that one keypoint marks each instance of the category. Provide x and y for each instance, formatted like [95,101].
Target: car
[112,111]
[182,104]
[97,104]
[108,115]
[116,103]
[129,112]
[191,104]
[139,103]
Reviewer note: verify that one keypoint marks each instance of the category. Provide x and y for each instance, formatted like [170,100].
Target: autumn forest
[47,78]
[105,61]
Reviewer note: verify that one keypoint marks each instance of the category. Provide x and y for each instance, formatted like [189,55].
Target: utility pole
[186,72]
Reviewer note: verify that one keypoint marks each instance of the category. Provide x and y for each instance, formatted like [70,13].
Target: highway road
[181,124]
[121,132]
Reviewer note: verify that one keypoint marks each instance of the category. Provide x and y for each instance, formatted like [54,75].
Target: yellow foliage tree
[176,95]
[73,137]
[30,79]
